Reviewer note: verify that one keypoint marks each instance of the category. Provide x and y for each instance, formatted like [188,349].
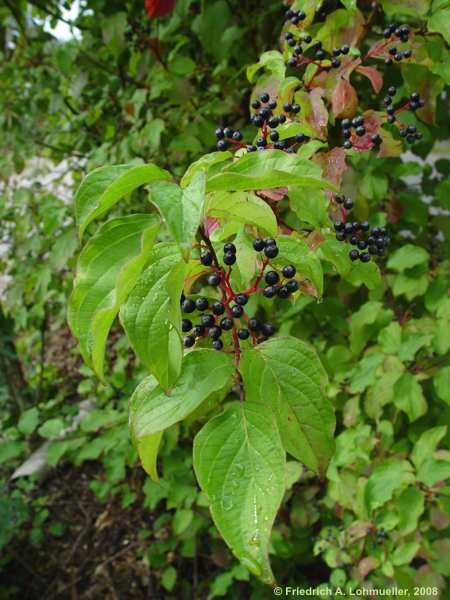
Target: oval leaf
[243,208]
[181,209]
[108,268]
[105,186]
[287,375]
[240,463]
[151,315]
[152,409]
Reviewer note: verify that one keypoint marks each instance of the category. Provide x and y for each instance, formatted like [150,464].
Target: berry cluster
[305,51]
[295,16]
[228,314]
[401,34]
[368,242]
[267,123]
[357,124]
[413,104]
[379,537]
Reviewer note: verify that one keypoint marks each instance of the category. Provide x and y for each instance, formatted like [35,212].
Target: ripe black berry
[188,306]
[206,258]
[348,145]
[307,39]
[392,90]
[365,257]
[348,228]
[283,291]
[357,121]
[213,279]
[287,107]
[289,271]
[360,131]
[237,311]
[340,236]
[272,277]
[292,285]
[346,123]
[300,138]
[407,53]
[237,135]
[228,132]
[226,324]
[254,324]
[243,334]
[265,97]
[256,103]
[336,51]
[274,136]
[362,245]
[272,105]
[219,133]
[353,254]
[282,118]
[214,332]
[376,139]
[270,291]
[261,142]
[273,122]
[198,330]
[222,145]
[259,244]
[296,108]
[348,204]
[335,63]
[218,308]
[217,344]
[207,320]
[339,226]
[268,329]
[229,258]
[292,62]
[189,341]
[345,49]
[388,62]
[364,226]
[229,247]
[393,51]
[320,55]
[186,325]
[391,119]
[241,299]
[298,50]
[201,304]
[271,251]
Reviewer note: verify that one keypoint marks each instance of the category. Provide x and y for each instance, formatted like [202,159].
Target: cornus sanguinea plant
[254,230]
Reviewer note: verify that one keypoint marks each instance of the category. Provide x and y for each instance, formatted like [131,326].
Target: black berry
[243,334]
[229,258]
[207,320]
[213,279]
[289,271]
[237,311]
[271,251]
[226,324]
[217,344]
[186,325]
[272,277]
[189,341]
[188,306]
[201,304]
[241,299]
[206,258]
[218,308]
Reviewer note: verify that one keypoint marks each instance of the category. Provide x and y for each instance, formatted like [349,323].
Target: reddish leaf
[159,8]
[319,115]
[335,165]
[344,99]
[275,195]
[211,225]
[375,77]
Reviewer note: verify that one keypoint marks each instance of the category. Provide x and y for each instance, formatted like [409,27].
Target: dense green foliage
[126,107]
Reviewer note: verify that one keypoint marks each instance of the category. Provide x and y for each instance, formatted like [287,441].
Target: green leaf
[367,322]
[293,250]
[153,410]
[105,186]
[310,205]
[426,445]
[240,463]
[410,506]
[272,60]
[336,253]
[181,209]
[286,374]
[181,521]
[151,316]
[432,470]
[148,447]
[407,257]
[169,578]
[367,274]
[408,396]
[242,207]
[441,382]
[28,421]
[108,268]
[404,553]
[266,170]
[51,428]
[206,162]
[385,480]
[439,21]
[413,8]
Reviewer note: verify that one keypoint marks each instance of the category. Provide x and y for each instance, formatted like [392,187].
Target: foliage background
[122,88]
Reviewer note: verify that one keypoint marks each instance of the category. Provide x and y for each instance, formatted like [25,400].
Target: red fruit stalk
[159,8]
